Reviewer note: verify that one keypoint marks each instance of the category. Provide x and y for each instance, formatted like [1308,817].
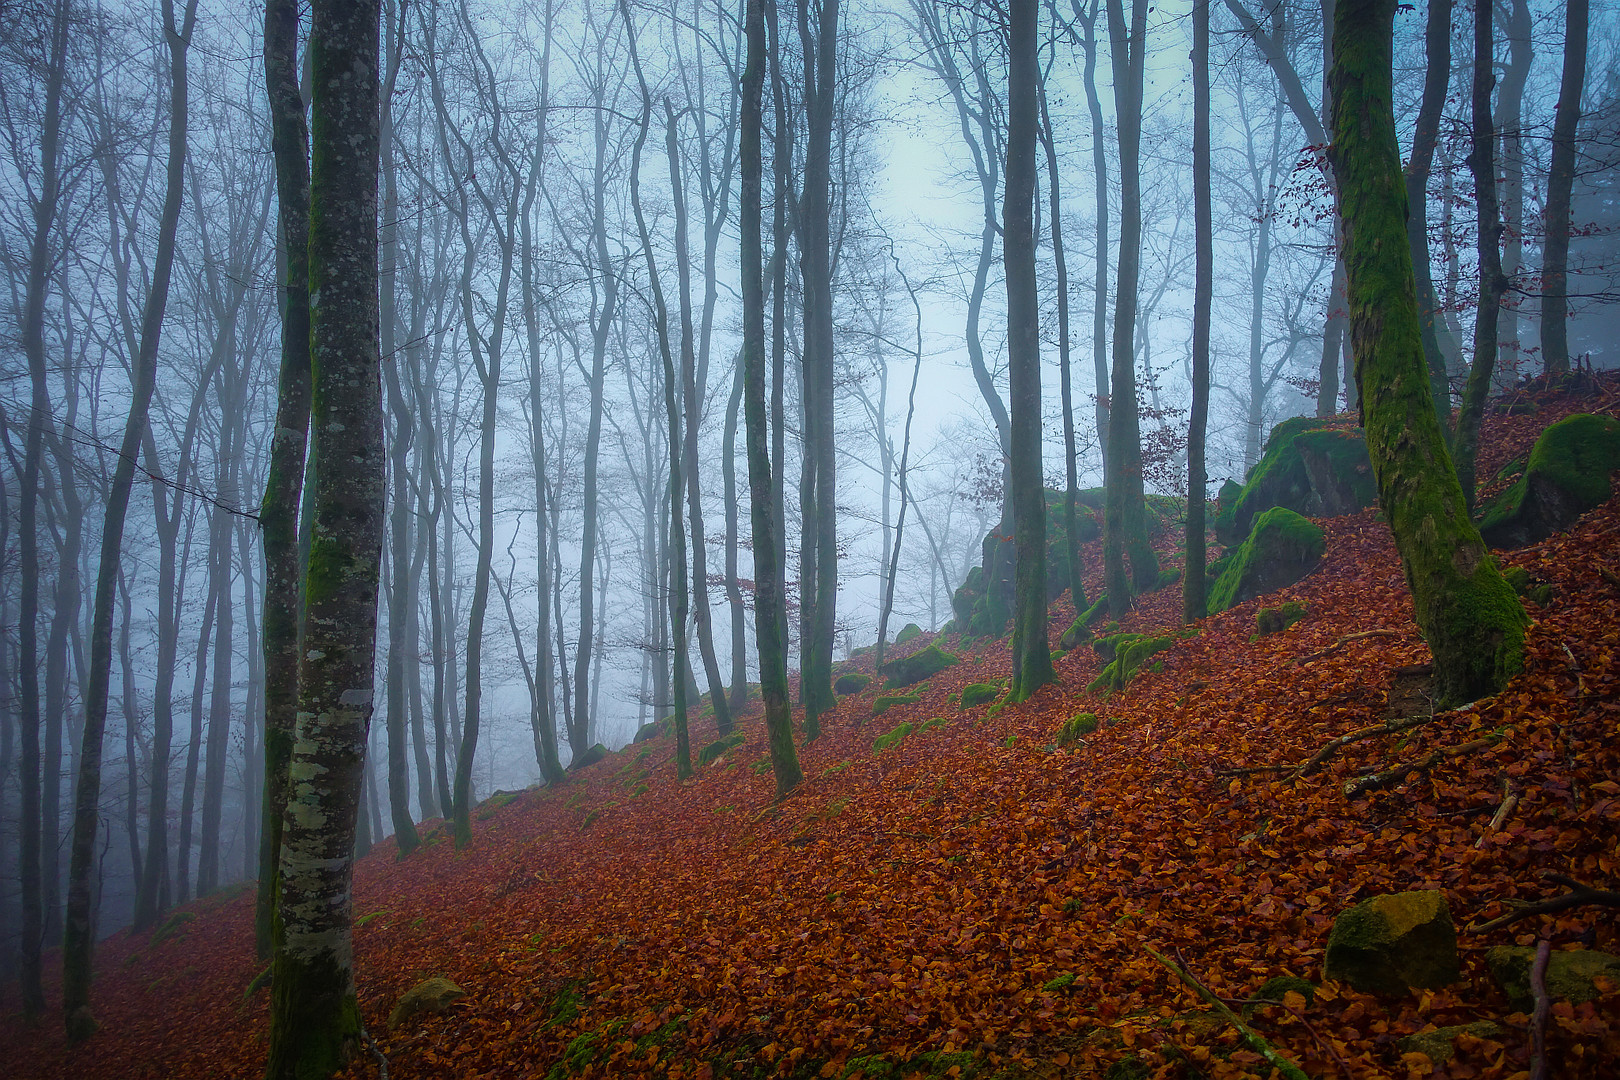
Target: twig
[1580,895]
[376,1052]
[1543,1007]
[1256,1043]
[1377,780]
[1575,669]
[1510,802]
[1251,770]
[1333,746]
[1359,636]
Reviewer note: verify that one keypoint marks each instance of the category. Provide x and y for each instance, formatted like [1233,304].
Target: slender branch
[1378,780]
[1256,1042]
[1580,895]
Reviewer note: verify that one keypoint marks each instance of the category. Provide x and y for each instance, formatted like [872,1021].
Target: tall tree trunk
[1473,622]
[219,704]
[78,934]
[314,1017]
[1509,125]
[1488,226]
[1032,658]
[1194,601]
[1560,182]
[278,513]
[769,623]
[734,596]
[1436,81]
[1099,168]
[194,744]
[1125,512]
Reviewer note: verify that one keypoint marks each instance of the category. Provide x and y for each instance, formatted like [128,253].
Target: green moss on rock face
[893,738]
[588,758]
[1273,989]
[1125,653]
[852,683]
[1570,974]
[979,693]
[173,925]
[1390,944]
[886,701]
[907,632]
[652,730]
[719,747]
[1073,728]
[430,995]
[920,665]
[487,808]
[1567,475]
[1440,1045]
[1274,620]
[1309,468]
[1282,548]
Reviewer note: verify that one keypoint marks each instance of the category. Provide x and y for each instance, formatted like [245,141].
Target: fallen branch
[1580,895]
[1543,1007]
[1575,670]
[1251,770]
[1333,746]
[1358,636]
[376,1052]
[1378,780]
[1510,802]
[1256,1042]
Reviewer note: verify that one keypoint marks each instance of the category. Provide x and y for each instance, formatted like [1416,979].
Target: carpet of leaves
[973,890]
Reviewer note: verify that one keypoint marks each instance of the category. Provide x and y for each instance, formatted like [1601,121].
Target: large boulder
[1393,943]
[430,995]
[1281,548]
[1570,974]
[920,665]
[1310,468]
[588,758]
[1567,475]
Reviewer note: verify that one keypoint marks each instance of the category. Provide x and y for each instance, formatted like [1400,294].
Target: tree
[769,623]
[1436,80]
[1472,620]
[314,1016]
[1194,602]
[78,932]
[1560,184]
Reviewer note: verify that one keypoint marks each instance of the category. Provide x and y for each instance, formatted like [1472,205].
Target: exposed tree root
[1359,636]
[1375,781]
[1333,746]
[1580,895]
[1256,1042]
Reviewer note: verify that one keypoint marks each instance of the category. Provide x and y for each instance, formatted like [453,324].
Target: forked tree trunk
[1473,622]
[314,1015]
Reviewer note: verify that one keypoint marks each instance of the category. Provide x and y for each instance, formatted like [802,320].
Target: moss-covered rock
[1440,1045]
[1309,468]
[719,747]
[920,665]
[1527,586]
[487,808]
[979,693]
[1278,987]
[652,730]
[1282,548]
[430,995]
[588,758]
[1074,727]
[1570,973]
[1274,620]
[892,738]
[1392,943]
[1125,653]
[1567,475]
[907,632]
[852,683]
[887,701]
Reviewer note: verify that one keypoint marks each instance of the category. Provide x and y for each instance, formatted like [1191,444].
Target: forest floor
[972,901]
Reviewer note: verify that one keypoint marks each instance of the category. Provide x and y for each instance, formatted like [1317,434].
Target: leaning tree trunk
[315,1017]
[1560,182]
[1194,601]
[768,620]
[1473,622]
[78,939]
[1032,658]
[278,514]
[1488,226]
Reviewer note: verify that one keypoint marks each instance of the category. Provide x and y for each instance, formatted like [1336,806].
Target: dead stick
[1359,636]
[1538,1018]
[1580,895]
[1374,782]
[1256,1043]
[1510,802]
[1333,746]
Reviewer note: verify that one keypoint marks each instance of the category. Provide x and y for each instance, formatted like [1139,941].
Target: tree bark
[1436,81]
[1473,622]
[1560,182]
[1194,601]
[1099,169]
[315,1017]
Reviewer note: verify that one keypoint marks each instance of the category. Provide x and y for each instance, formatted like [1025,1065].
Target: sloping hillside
[970,899]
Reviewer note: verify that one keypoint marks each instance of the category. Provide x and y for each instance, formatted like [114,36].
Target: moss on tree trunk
[1472,620]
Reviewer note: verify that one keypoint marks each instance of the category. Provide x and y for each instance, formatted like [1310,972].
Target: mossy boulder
[1527,586]
[907,632]
[487,808]
[979,693]
[893,738]
[1124,654]
[1074,727]
[430,995]
[1570,974]
[1567,475]
[588,758]
[920,665]
[1393,943]
[886,702]
[1308,467]
[1274,620]
[1278,987]
[1079,632]
[1440,1045]
[650,731]
[1281,548]
[719,747]
[852,682]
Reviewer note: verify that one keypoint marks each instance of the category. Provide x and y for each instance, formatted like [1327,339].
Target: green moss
[920,665]
[1274,620]
[173,925]
[1129,651]
[1566,475]
[885,702]
[1308,468]
[590,819]
[1074,727]
[933,724]
[893,738]
[719,747]
[588,758]
[979,693]
[487,808]
[907,632]
[1282,548]
[259,982]
[362,920]
[1274,988]
[1062,982]
[852,683]
[929,1065]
